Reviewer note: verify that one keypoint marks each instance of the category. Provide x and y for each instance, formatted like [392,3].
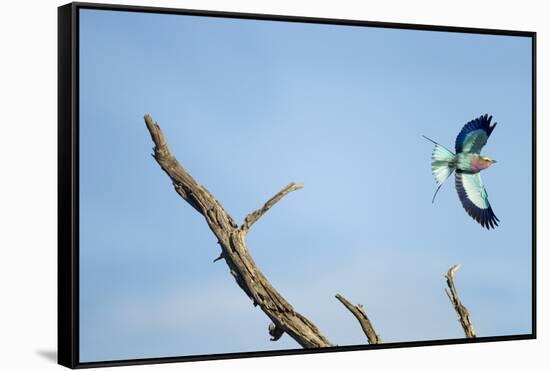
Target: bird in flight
[467,164]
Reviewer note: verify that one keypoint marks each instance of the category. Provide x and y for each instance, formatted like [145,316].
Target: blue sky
[249,106]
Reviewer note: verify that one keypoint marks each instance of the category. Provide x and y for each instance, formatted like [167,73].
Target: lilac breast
[477,164]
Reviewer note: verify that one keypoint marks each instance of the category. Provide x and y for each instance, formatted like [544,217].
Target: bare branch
[234,249]
[359,312]
[254,216]
[461,311]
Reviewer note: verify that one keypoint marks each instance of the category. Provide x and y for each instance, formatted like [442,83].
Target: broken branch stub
[359,312]
[460,309]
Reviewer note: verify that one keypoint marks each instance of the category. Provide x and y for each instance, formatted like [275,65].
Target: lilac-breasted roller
[467,164]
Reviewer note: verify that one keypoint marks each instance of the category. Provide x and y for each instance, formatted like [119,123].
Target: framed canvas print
[239,185]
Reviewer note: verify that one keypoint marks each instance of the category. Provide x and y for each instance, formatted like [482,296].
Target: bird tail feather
[443,164]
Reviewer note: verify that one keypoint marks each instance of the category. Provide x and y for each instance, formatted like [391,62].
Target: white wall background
[28,164]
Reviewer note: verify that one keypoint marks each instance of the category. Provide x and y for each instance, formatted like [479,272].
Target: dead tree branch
[232,240]
[460,309]
[254,216]
[359,312]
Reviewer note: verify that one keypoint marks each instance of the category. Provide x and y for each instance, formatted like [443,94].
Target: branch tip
[255,215]
[455,268]
[359,312]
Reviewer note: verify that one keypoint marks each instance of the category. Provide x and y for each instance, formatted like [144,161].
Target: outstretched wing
[474,135]
[473,196]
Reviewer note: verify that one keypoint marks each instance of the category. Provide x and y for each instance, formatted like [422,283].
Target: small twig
[359,312]
[275,331]
[254,216]
[460,309]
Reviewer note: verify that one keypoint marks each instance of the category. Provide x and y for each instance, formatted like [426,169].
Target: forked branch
[232,240]
[359,312]
[460,309]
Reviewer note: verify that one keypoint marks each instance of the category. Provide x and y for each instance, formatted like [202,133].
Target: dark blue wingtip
[485,123]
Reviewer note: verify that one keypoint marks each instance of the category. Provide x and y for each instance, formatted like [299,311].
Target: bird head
[487,161]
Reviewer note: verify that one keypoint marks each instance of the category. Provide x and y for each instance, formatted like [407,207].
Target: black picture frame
[68,181]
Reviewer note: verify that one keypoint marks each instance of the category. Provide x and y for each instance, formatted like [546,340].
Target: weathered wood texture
[460,309]
[232,239]
[359,312]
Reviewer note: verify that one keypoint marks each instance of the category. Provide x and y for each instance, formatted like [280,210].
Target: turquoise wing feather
[475,201]
[474,135]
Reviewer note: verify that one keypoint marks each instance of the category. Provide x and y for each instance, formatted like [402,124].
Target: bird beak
[494,161]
